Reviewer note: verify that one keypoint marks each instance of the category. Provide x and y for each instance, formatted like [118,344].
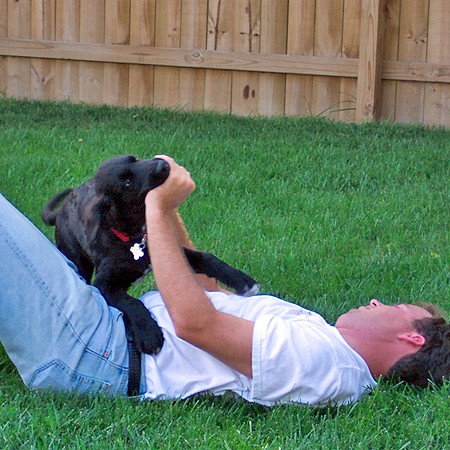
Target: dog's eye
[127,179]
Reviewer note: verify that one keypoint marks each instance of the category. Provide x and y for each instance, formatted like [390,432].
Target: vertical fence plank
[300,42]
[167,34]
[193,36]
[272,88]
[18,69]
[3,33]
[220,33]
[67,29]
[142,32]
[412,47]
[117,31]
[391,42]
[437,95]
[43,22]
[328,39]
[350,49]
[351,29]
[92,29]
[370,60]
[245,89]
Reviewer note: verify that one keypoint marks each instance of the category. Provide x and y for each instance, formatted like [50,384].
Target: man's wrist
[156,214]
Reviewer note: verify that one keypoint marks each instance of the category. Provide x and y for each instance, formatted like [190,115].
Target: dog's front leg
[214,267]
[146,332]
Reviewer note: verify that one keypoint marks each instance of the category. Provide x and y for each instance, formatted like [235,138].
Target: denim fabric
[58,331]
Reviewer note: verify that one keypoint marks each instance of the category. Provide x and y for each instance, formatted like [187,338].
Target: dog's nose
[159,172]
[162,167]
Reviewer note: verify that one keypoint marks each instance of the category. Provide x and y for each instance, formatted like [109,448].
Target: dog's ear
[110,216]
[105,186]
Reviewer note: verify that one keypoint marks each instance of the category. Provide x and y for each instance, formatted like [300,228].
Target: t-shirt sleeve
[297,361]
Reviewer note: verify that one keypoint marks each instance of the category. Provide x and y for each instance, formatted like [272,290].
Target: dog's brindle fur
[100,220]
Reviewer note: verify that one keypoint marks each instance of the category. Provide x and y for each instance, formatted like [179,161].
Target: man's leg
[58,331]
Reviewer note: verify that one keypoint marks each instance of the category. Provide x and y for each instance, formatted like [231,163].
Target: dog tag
[137,251]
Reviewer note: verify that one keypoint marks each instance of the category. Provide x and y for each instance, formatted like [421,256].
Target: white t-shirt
[296,357]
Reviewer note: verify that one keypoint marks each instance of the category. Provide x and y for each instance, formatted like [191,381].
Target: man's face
[382,322]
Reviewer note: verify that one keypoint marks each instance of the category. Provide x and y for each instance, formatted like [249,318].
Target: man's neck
[378,357]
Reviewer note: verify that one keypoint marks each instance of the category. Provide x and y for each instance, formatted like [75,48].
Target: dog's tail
[51,209]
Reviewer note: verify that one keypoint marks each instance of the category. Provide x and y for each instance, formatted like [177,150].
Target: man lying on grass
[61,334]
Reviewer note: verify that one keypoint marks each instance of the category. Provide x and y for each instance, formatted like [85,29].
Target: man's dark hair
[431,364]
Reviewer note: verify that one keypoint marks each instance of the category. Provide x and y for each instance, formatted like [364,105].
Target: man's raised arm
[195,319]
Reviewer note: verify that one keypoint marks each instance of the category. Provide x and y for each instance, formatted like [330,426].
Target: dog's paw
[150,342]
[249,291]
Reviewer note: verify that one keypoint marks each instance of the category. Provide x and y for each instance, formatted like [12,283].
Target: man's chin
[343,319]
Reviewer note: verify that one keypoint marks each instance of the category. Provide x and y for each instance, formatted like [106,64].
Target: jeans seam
[81,379]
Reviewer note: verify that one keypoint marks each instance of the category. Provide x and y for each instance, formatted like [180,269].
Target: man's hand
[174,191]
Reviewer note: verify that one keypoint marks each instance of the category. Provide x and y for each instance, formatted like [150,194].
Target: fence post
[370,60]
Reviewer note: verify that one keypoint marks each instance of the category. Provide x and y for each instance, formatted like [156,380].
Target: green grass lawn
[325,214]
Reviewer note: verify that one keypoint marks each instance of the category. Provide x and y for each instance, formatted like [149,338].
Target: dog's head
[126,180]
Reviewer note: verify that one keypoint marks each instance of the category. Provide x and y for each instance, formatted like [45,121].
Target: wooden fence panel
[142,32]
[42,27]
[3,60]
[220,33]
[272,87]
[390,52]
[437,95]
[167,35]
[412,47]
[268,57]
[370,60]
[299,88]
[92,30]
[193,36]
[117,31]
[67,28]
[19,69]
[327,42]
[246,38]
[350,49]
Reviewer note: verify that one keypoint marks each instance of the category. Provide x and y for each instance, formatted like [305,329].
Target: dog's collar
[121,235]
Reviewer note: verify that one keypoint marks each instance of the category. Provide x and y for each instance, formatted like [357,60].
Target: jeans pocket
[56,376]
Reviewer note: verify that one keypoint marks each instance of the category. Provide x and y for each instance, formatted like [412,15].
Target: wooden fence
[349,60]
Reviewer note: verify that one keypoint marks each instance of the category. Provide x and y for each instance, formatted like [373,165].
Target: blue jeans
[58,331]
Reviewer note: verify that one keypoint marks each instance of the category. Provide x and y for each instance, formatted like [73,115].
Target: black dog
[101,225]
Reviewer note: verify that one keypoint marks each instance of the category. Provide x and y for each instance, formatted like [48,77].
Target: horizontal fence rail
[209,59]
[345,59]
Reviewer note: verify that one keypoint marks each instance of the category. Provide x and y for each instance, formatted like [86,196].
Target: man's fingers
[174,191]
[176,169]
[167,158]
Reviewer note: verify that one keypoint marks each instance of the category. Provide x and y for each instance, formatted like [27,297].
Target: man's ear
[415,339]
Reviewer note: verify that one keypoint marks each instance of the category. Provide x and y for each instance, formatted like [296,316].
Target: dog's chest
[140,256]
[133,251]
